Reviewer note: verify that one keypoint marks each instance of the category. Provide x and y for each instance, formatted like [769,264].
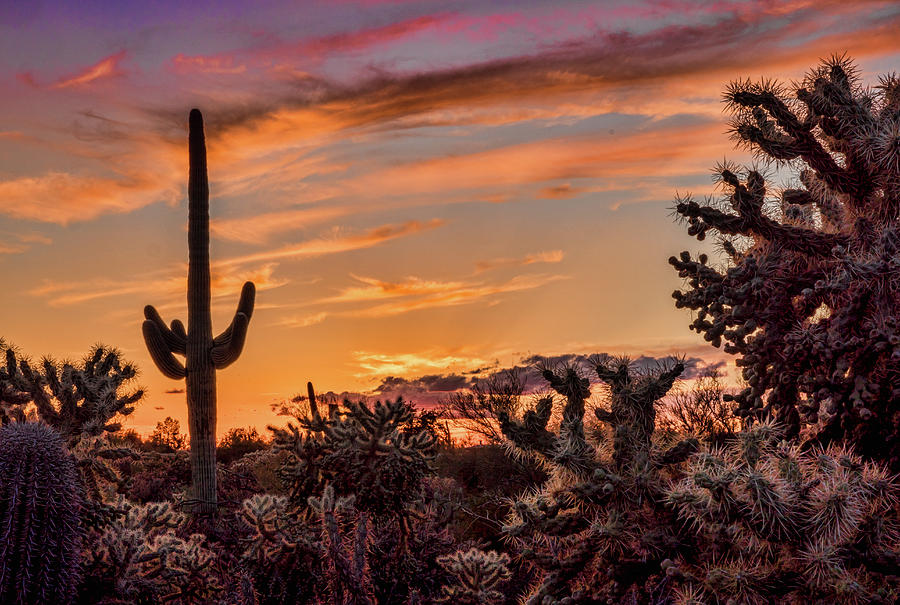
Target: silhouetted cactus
[40,508]
[203,353]
[597,528]
[780,524]
[808,298]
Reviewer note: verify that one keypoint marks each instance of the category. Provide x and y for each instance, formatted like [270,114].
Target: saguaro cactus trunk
[203,353]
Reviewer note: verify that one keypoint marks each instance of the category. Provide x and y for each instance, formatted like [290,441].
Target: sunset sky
[437,189]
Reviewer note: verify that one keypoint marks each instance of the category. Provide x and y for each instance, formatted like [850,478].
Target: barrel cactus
[40,508]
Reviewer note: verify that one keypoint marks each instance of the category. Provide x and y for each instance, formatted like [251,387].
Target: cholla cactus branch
[801,526]
[478,574]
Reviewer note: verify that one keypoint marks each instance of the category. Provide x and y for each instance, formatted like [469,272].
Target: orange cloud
[407,364]
[166,286]
[104,68]
[459,296]
[219,64]
[258,228]
[553,256]
[337,243]
[62,198]
[376,289]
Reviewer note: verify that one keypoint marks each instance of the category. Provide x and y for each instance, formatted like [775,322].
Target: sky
[424,193]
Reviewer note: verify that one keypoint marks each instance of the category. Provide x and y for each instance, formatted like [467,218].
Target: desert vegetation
[609,483]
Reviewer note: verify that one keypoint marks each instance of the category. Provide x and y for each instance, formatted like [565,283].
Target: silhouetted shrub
[237,442]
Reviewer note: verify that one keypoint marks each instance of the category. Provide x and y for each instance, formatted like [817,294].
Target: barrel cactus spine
[40,516]
[203,353]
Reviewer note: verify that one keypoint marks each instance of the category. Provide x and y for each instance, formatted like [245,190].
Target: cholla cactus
[284,551]
[83,402]
[40,507]
[140,558]
[360,451]
[347,564]
[815,526]
[809,293]
[477,574]
[596,528]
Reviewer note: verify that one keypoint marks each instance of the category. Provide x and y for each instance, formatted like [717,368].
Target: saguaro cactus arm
[160,352]
[175,338]
[227,346]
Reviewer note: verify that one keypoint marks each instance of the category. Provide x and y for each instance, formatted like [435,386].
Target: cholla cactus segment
[597,530]
[40,508]
[808,294]
[477,576]
[813,526]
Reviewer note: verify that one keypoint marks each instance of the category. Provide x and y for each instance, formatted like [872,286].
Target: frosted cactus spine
[203,353]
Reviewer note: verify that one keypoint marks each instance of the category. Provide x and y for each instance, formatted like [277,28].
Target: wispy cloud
[406,364]
[258,228]
[338,242]
[105,68]
[413,294]
[552,256]
[161,286]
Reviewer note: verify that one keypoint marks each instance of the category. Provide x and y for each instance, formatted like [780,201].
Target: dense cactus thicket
[366,452]
[203,353]
[809,295]
[356,515]
[780,525]
[597,529]
[40,517]
[140,558]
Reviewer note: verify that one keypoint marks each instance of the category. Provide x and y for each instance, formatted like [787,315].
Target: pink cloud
[105,68]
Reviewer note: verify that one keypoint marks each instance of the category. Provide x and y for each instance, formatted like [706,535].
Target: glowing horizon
[417,189]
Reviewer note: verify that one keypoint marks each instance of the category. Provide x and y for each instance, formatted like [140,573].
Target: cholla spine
[139,556]
[40,508]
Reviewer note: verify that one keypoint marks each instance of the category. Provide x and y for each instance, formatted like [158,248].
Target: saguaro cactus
[203,353]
